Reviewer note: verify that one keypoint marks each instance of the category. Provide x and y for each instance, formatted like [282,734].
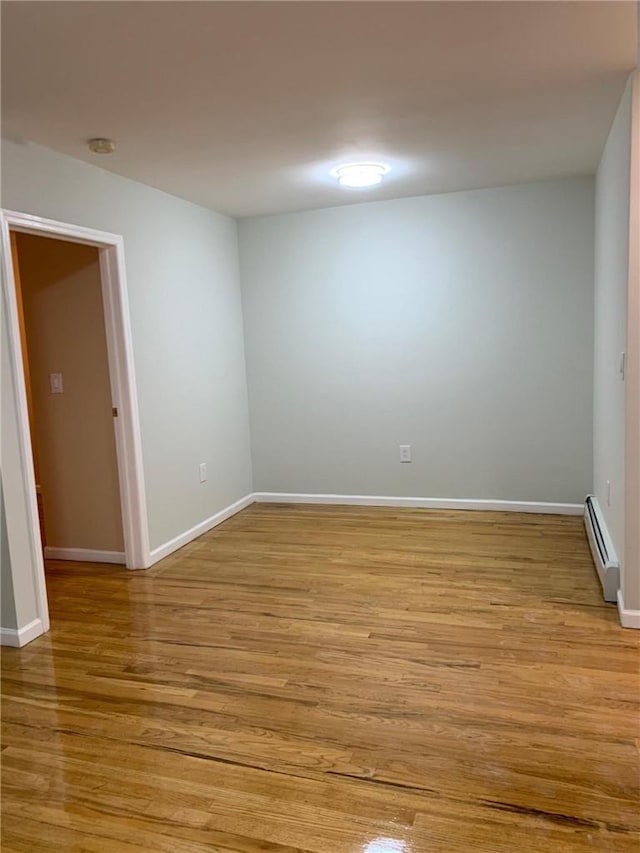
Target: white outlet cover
[405,453]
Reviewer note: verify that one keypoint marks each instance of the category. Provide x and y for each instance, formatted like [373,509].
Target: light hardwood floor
[329,679]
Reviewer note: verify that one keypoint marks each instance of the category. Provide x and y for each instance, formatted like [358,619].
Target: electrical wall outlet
[203,472]
[405,453]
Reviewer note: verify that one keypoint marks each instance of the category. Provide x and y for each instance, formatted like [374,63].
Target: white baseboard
[204,526]
[628,618]
[84,555]
[18,637]
[424,503]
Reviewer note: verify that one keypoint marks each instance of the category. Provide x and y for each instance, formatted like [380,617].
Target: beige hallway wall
[74,435]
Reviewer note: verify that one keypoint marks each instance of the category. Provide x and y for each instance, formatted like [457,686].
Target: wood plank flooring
[329,679]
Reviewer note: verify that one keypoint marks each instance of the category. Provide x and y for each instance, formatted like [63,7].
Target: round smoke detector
[102,146]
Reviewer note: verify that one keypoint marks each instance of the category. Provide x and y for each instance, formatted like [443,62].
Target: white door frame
[629,595]
[123,386]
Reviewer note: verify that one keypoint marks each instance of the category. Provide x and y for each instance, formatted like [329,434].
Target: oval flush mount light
[360,175]
[102,146]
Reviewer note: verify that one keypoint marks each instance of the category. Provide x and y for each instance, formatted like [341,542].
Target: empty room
[320,449]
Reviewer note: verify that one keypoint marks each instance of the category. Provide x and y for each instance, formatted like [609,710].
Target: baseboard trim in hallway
[85,555]
[425,503]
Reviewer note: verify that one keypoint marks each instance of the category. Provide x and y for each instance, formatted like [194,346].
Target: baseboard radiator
[604,555]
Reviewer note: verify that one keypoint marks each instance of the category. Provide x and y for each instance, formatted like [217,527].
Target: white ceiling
[245,106]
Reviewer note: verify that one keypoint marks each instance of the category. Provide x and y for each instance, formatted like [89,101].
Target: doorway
[67,384]
[19,480]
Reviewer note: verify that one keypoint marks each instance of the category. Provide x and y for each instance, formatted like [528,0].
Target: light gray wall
[184,294]
[461,324]
[611,268]
[18,578]
[7,605]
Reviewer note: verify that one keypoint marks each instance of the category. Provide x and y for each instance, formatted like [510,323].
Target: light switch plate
[55,382]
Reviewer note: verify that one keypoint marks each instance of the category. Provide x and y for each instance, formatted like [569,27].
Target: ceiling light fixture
[360,175]
[102,146]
